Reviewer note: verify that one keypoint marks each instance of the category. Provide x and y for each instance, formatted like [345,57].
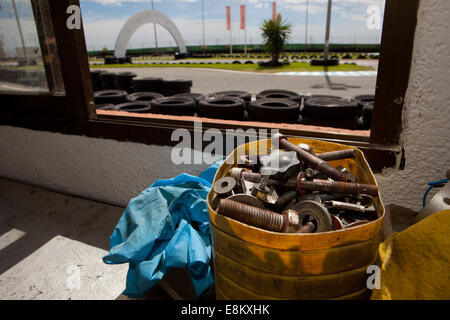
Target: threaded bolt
[327,186]
[253,216]
[337,155]
[310,159]
[309,227]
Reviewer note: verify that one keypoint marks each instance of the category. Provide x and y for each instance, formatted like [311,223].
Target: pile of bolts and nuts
[294,190]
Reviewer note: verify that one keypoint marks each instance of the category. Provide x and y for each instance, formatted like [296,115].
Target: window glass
[28,57]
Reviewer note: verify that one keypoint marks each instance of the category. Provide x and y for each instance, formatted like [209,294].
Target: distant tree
[275,33]
[105,51]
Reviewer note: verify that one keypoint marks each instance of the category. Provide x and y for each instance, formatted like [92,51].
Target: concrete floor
[51,247]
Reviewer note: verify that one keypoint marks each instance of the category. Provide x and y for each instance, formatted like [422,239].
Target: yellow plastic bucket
[251,263]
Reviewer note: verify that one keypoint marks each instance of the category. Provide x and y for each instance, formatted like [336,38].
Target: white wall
[113,172]
[426,135]
[98,169]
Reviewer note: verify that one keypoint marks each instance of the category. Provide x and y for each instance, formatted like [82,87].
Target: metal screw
[310,159]
[337,155]
[327,186]
[257,217]
[261,191]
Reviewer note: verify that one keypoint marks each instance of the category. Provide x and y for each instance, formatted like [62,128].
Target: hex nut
[292,221]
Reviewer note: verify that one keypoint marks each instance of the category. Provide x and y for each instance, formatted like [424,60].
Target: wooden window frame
[74,112]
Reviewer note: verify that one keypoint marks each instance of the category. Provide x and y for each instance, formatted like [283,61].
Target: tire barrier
[95,79]
[279,94]
[143,96]
[147,84]
[107,80]
[123,81]
[274,110]
[173,87]
[110,96]
[329,109]
[181,105]
[275,105]
[230,108]
[135,107]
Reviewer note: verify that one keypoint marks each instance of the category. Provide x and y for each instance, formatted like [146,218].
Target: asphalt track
[210,80]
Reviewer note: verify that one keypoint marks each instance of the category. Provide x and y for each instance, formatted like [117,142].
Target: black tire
[274,110]
[181,106]
[134,107]
[329,109]
[195,96]
[147,84]
[236,62]
[110,96]
[104,106]
[95,79]
[361,100]
[107,80]
[367,113]
[323,96]
[279,94]
[249,62]
[231,108]
[246,96]
[143,96]
[173,87]
[123,81]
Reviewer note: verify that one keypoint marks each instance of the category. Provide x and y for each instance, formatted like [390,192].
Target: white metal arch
[138,20]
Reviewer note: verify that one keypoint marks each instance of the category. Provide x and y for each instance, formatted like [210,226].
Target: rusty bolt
[309,173]
[309,227]
[260,218]
[285,198]
[327,186]
[337,155]
[310,159]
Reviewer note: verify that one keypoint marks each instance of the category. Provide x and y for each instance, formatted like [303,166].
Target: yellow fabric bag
[416,261]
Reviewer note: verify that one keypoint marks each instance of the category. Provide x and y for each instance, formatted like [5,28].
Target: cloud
[120,2]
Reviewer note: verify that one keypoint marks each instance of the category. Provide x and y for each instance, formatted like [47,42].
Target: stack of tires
[148,84]
[123,81]
[107,80]
[173,87]
[276,105]
[95,78]
[365,108]
[331,111]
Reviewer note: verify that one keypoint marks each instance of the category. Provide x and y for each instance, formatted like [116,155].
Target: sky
[103,20]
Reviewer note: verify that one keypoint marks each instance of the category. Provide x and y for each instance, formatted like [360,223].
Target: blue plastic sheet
[166,226]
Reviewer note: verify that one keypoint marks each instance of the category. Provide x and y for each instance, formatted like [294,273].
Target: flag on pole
[228,18]
[242,17]
[274,10]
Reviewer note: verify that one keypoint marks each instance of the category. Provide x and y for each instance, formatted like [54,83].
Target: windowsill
[361,136]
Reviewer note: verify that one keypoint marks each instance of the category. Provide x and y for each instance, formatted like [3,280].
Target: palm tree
[275,33]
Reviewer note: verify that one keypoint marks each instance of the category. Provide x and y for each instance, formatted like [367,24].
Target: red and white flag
[228,18]
[242,17]
[274,10]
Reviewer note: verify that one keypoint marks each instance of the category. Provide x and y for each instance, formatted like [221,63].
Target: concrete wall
[113,172]
[426,133]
